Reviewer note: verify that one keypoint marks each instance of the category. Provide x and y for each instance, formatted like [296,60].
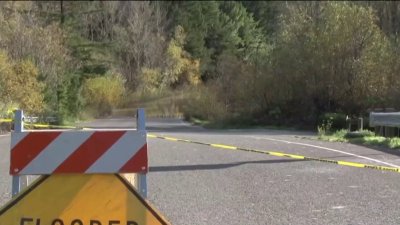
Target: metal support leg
[18,182]
[142,184]
[142,177]
[15,186]
[141,120]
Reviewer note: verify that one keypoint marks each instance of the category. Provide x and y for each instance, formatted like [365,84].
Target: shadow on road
[215,166]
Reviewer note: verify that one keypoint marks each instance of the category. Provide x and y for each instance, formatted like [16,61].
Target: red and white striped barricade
[78,152]
[83,185]
[92,151]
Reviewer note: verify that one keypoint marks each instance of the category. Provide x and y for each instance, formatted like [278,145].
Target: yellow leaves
[5,72]
[180,36]
[176,61]
[193,72]
[18,82]
[27,68]
[180,68]
[28,91]
[339,56]
[5,66]
[104,93]
[151,78]
[23,37]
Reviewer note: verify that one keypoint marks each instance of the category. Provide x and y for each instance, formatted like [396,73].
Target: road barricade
[81,182]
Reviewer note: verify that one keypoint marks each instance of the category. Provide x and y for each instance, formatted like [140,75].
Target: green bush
[359,134]
[361,137]
[103,93]
[336,136]
[325,128]
[394,142]
[332,121]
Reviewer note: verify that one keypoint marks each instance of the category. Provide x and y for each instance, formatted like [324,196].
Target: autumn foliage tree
[19,85]
[329,58]
[277,62]
[103,93]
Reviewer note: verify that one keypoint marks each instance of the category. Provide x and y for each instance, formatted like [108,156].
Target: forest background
[225,62]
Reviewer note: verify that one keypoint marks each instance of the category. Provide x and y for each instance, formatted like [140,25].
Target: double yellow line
[281,154]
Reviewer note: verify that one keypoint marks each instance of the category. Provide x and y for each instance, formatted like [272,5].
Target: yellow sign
[84,199]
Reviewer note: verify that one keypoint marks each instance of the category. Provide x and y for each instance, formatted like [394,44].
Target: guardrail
[391,119]
[385,124]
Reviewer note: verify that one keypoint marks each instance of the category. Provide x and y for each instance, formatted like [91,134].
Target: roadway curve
[199,185]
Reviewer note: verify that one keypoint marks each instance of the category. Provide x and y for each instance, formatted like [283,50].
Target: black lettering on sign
[25,221]
[32,221]
[95,222]
[57,222]
[76,222]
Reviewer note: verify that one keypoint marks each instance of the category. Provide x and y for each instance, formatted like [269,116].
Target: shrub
[19,86]
[151,80]
[394,142]
[336,136]
[202,103]
[325,128]
[332,121]
[359,134]
[102,94]
[29,94]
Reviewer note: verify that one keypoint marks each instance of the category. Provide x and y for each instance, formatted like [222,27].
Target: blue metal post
[18,127]
[142,178]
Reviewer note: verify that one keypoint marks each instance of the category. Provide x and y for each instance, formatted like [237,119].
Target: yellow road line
[224,146]
[353,164]
[282,154]
[171,139]
[230,147]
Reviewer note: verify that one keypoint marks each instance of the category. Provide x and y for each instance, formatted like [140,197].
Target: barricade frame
[20,182]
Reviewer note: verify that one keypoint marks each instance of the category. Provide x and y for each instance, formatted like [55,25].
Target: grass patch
[394,143]
[199,122]
[364,137]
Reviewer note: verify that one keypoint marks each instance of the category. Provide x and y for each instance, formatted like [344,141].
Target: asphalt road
[199,185]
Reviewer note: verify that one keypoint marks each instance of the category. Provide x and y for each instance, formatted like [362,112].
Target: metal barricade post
[18,182]
[141,177]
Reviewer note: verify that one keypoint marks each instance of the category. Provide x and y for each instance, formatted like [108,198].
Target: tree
[139,38]
[266,13]
[19,85]
[179,69]
[25,36]
[330,53]
[216,27]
